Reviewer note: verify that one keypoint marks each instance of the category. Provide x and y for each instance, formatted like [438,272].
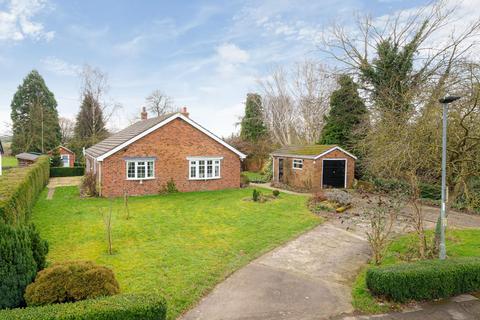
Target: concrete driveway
[308,278]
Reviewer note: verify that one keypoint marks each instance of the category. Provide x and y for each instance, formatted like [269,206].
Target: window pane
[209,168]
[141,169]
[131,169]
[217,169]
[193,170]
[150,169]
[201,169]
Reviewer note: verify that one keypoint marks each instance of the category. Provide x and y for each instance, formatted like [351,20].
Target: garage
[311,167]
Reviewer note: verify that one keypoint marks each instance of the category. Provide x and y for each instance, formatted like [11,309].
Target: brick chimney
[144,114]
[183,111]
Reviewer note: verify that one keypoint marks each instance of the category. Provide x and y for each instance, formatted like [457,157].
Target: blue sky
[205,54]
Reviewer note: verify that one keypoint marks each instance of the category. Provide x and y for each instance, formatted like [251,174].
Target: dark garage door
[333,173]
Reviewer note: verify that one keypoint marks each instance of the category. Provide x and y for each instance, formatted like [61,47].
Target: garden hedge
[119,307]
[19,189]
[67,172]
[425,280]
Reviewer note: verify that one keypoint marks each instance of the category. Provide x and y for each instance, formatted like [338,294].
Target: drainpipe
[100,178]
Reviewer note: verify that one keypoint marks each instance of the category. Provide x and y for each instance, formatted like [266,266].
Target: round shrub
[276,193]
[71,281]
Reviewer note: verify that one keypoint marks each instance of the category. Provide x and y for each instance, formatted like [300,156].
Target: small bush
[425,280]
[88,188]
[390,185]
[170,187]
[341,197]
[430,191]
[255,195]
[71,281]
[119,307]
[276,193]
[318,196]
[244,180]
[67,172]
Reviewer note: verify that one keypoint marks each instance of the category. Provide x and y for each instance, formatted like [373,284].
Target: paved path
[61,182]
[308,278]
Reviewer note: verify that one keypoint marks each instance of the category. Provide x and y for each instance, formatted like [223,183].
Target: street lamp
[444,101]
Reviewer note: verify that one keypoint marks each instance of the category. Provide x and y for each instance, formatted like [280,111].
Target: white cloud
[230,53]
[60,67]
[230,57]
[17,21]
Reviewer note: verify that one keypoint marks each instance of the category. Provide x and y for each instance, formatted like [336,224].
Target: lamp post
[444,101]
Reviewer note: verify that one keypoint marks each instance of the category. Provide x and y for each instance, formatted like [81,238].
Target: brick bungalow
[143,157]
[313,167]
[67,156]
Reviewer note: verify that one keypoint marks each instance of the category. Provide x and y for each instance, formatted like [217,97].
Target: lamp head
[449,99]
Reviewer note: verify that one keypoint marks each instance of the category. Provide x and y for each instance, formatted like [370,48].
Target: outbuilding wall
[310,177]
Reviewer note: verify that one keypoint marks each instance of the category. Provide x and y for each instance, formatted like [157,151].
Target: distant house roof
[140,129]
[29,156]
[60,146]
[1,148]
[313,151]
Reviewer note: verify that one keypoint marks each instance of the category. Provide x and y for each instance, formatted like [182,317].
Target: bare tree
[382,214]
[296,101]
[159,103]
[66,129]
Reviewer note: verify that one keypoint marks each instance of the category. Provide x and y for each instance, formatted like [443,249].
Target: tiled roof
[123,136]
[304,150]
[30,156]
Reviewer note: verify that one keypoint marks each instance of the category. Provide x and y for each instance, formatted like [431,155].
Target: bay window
[201,168]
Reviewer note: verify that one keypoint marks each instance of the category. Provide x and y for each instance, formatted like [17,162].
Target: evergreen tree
[56,159]
[90,123]
[252,126]
[346,113]
[34,116]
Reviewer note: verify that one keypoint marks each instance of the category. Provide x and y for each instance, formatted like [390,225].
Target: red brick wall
[171,145]
[62,150]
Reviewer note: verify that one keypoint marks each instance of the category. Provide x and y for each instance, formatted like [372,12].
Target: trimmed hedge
[19,188]
[67,172]
[119,307]
[425,280]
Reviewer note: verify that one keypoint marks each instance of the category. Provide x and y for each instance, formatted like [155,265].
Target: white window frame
[297,162]
[68,160]
[136,161]
[193,163]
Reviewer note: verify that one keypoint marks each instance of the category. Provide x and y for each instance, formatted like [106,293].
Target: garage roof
[313,151]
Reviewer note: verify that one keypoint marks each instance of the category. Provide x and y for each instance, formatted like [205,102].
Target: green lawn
[460,243]
[178,245]
[255,177]
[8,161]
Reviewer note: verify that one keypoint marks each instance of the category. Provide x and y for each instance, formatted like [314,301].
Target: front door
[334,173]
[280,170]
